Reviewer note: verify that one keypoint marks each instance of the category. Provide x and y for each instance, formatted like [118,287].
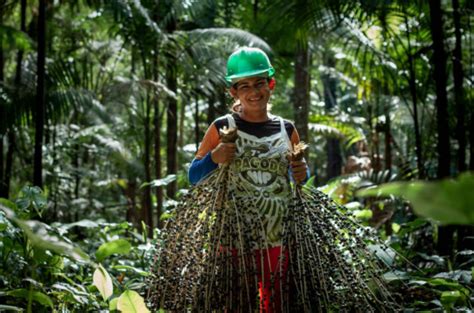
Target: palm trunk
[388,142]
[440,77]
[223,108]
[255,10]
[6,177]
[414,99]
[445,233]
[171,116]
[197,136]
[2,180]
[147,206]
[40,96]
[157,118]
[9,161]
[2,59]
[333,150]
[211,111]
[458,88]
[388,134]
[19,56]
[301,90]
[471,139]
[146,213]
[172,127]
[2,114]
[130,193]
[182,116]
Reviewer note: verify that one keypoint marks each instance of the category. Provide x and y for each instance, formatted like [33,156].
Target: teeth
[266,177]
[259,177]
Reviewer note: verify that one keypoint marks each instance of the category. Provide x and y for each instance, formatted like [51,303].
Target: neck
[255,117]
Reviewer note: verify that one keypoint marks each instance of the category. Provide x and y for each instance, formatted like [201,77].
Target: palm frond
[330,127]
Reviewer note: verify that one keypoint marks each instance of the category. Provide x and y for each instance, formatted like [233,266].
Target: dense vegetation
[103,103]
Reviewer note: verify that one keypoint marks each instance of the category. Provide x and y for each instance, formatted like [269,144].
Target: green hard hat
[248,62]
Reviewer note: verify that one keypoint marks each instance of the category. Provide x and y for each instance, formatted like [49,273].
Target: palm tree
[40,96]
[458,75]
[440,77]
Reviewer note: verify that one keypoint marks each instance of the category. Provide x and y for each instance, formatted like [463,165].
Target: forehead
[250,80]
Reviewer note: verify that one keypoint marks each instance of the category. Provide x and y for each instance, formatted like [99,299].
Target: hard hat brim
[235,78]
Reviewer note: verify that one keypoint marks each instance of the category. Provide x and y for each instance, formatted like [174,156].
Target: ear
[271,83]
[233,92]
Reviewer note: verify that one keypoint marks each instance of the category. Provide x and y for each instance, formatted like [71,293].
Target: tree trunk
[172,115]
[181,119]
[458,89]
[2,59]
[172,127]
[197,136]
[157,118]
[471,139]
[2,179]
[223,108]
[414,99]
[147,206]
[333,147]
[445,233]
[6,176]
[388,142]
[130,194]
[211,111]
[40,96]
[2,113]
[387,132]
[440,77]
[301,90]
[19,56]
[255,10]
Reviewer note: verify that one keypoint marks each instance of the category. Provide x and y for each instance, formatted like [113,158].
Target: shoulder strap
[284,134]
[231,121]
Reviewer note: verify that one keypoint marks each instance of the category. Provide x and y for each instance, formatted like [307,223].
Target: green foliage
[103,282]
[56,270]
[36,296]
[332,128]
[103,82]
[131,302]
[448,201]
[11,38]
[119,246]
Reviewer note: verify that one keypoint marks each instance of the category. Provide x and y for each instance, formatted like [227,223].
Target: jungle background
[103,104]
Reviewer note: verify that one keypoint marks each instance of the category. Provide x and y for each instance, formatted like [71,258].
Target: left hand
[299,169]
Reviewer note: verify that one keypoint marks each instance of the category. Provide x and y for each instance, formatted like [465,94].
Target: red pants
[275,265]
[269,275]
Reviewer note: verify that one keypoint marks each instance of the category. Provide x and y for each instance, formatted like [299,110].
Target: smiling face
[253,93]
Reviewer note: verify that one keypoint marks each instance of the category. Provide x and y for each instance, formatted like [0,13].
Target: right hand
[223,153]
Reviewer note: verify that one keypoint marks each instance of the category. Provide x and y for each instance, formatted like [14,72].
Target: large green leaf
[80,296]
[447,201]
[39,236]
[103,282]
[160,182]
[113,304]
[32,197]
[131,302]
[10,308]
[37,296]
[448,298]
[119,246]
